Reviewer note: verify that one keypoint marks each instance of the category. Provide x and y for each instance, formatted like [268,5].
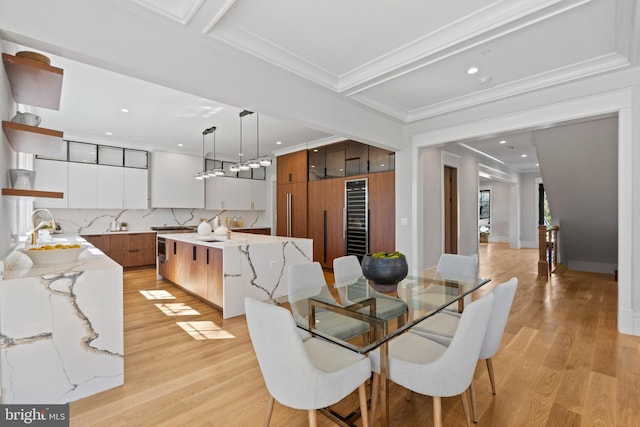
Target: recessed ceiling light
[180,145]
[523,155]
[472,70]
[278,142]
[108,133]
[503,142]
[124,110]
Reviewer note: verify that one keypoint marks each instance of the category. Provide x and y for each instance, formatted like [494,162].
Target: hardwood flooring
[561,362]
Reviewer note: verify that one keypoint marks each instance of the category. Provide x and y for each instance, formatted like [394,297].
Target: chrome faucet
[34,229]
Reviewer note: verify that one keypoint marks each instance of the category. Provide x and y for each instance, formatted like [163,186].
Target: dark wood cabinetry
[315,208]
[100,241]
[291,197]
[195,268]
[127,249]
[291,213]
[326,220]
[292,167]
[382,217]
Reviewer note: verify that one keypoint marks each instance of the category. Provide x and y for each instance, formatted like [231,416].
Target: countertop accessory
[35,56]
[204,228]
[21,179]
[53,254]
[221,231]
[26,119]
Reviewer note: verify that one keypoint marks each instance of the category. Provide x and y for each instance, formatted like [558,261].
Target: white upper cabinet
[51,175]
[110,187]
[236,194]
[136,188]
[172,181]
[83,185]
[91,186]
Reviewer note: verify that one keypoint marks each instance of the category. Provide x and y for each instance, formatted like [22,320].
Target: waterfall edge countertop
[246,265]
[62,327]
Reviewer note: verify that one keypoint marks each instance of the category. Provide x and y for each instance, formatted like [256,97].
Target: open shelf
[33,139]
[32,193]
[33,82]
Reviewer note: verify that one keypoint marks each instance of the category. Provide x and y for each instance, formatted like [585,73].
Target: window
[485,204]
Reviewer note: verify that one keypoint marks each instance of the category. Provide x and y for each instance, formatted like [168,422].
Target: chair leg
[490,369]
[267,415]
[408,395]
[473,403]
[362,392]
[375,391]
[465,406]
[313,422]
[437,412]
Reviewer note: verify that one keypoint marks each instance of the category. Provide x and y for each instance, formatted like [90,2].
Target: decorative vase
[204,227]
[384,273]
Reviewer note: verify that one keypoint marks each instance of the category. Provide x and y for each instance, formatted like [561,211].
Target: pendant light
[216,171]
[204,174]
[241,166]
[255,163]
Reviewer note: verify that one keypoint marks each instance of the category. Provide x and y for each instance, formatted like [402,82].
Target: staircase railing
[548,249]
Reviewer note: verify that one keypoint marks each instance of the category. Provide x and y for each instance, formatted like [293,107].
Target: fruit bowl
[53,254]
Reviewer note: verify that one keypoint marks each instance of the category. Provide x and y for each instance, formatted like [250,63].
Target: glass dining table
[354,315]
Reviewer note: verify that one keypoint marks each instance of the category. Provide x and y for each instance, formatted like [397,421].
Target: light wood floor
[561,362]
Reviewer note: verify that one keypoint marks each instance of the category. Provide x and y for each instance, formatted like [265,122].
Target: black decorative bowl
[384,273]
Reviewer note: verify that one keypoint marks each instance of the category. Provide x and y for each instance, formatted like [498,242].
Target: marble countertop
[237,239]
[18,265]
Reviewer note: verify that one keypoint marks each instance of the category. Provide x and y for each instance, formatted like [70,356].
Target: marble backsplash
[87,221]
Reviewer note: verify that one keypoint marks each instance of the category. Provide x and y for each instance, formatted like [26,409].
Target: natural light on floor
[157,294]
[204,330]
[177,309]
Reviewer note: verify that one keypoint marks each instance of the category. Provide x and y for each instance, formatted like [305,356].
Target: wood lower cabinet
[127,249]
[100,241]
[291,213]
[382,216]
[326,222]
[195,268]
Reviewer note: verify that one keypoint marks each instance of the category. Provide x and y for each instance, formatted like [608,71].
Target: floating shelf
[32,193]
[33,139]
[33,82]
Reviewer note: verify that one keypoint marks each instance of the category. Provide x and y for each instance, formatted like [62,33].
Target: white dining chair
[453,268]
[346,271]
[427,367]
[442,327]
[306,375]
[306,280]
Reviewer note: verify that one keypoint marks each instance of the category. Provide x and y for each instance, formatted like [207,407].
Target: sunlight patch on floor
[204,330]
[157,294]
[177,309]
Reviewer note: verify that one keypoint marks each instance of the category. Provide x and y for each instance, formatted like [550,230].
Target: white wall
[529,211]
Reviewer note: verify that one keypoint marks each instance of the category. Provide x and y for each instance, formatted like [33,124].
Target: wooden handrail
[547,249]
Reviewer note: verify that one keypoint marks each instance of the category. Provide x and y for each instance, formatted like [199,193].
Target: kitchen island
[61,327]
[222,272]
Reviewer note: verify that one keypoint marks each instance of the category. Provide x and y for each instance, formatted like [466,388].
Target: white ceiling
[317,71]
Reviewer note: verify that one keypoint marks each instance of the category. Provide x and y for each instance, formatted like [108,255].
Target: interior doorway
[450,210]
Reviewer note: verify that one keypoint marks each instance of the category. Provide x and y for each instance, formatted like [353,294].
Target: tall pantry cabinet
[291,195]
